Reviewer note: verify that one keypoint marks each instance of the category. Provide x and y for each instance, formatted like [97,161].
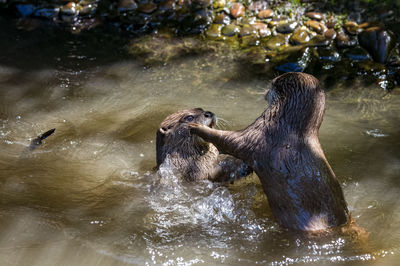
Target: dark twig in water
[37,141]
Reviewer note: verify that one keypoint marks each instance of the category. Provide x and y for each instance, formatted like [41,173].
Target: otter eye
[189,118]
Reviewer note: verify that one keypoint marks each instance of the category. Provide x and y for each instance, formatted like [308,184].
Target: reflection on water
[89,194]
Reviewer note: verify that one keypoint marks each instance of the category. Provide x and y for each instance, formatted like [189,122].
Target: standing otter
[282,147]
[189,155]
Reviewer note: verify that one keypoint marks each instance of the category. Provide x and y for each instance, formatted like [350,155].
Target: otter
[283,148]
[189,155]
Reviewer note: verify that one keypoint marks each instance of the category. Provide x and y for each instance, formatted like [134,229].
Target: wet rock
[328,54]
[222,19]
[250,40]
[262,29]
[319,40]
[315,15]
[69,9]
[247,30]
[258,5]
[301,36]
[167,5]
[219,4]
[286,27]
[237,10]
[230,30]
[296,62]
[357,54]
[267,13]
[147,8]
[316,26]
[351,27]
[126,5]
[248,20]
[276,41]
[330,34]
[25,10]
[47,12]
[377,42]
[214,31]
[344,41]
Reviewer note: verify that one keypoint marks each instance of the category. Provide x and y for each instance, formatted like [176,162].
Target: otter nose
[208,114]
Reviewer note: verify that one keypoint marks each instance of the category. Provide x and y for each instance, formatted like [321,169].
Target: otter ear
[160,156]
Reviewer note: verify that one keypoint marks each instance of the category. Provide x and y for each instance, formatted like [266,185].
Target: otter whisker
[222,123]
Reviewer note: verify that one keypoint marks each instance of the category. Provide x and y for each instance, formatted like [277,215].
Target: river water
[89,195]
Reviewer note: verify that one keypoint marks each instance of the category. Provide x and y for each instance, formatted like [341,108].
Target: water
[89,194]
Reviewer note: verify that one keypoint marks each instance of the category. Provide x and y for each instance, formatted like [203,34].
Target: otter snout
[210,119]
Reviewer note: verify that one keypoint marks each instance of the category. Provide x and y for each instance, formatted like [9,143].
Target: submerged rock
[214,31]
[222,19]
[344,41]
[230,30]
[300,36]
[357,54]
[276,41]
[262,29]
[377,42]
[286,27]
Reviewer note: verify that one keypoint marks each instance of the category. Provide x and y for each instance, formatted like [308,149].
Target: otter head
[174,134]
[297,102]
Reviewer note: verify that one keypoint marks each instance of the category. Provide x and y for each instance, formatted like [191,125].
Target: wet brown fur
[282,147]
[189,155]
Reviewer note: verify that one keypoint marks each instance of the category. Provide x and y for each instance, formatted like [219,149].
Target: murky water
[89,194]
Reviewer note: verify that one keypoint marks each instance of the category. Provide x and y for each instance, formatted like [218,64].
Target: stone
[262,29]
[315,15]
[47,12]
[266,13]
[330,23]
[219,4]
[344,41]
[69,9]
[300,36]
[126,5]
[328,54]
[286,27]
[377,42]
[230,30]
[247,30]
[357,54]
[237,10]
[276,41]
[351,27]
[222,19]
[330,34]
[319,40]
[214,31]
[258,5]
[250,40]
[316,26]
[25,10]
[147,8]
[167,5]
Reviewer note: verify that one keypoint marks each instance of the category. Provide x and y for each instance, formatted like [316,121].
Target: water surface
[89,194]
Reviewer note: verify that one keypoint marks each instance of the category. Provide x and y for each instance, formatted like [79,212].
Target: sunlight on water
[89,194]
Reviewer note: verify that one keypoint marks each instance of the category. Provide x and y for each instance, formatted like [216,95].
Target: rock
[357,54]
[301,36]
[266,13]
[219,4]
[214,31]
[126,5]
[351,27]
[344,41]
[69,9]
[286,27]
[147,8]
[250,40]
[258,5]
[319,40]
[315,15]
[328,54]
[47,12]
[247,30]
[330,34]
[297,62]
[248,20]
[377,42]
[237,10]
[262,29]
[316,26]
[230,30]
[167,5]
[222,19]
[276,41]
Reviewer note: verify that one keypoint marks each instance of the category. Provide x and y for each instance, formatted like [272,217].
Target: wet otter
[282,147]
[189,155]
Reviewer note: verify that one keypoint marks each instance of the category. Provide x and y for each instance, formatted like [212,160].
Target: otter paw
[194,127]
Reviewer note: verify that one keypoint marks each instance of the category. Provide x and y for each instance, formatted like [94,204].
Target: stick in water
[37,141]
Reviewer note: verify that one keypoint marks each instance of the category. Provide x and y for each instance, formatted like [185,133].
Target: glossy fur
[282,147]
[189,155]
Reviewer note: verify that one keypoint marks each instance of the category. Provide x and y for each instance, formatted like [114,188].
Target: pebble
[247,30]
[167,5]
[262,29]
[222,19]
[276,41]
[126,5]
[267,13]
[214,31]
[344,41]
[316,26]
[230,30]
[219,4]
[147,8]
[258,5]
[351,27]
[330,24]
[300,36]
[330,34]
[357,54]
[237,10]
[315,15]
[286,27]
